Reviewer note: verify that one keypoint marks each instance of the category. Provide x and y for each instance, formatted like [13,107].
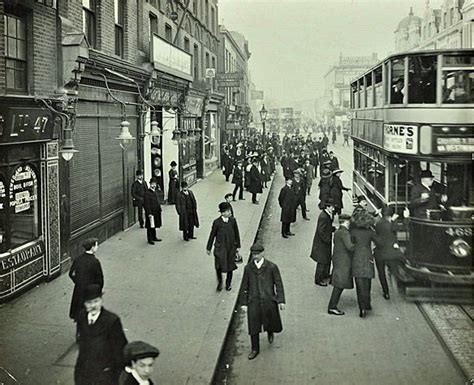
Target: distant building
[450,26]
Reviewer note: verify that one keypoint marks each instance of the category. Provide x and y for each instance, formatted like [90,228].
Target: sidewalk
[165,295]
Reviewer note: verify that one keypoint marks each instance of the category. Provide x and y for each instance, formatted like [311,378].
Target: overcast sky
[293,43]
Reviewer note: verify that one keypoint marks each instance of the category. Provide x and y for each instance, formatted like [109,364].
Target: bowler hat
[137,350]
[257,248]
[326,173]
[329,202]
[224,206]
[92,292]
[426,174]
[361,198]
[327,162]
[184,184]
[153,180]
[173,163]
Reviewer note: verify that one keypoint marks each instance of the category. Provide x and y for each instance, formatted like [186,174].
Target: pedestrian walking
[334,165]
[173,183]
[255,181]
[299,189]
[262,296]
[387,251]
[152,206]
[346,138]
[229,164]
[140,358]
[324,188]
[186,206]
[287,201]
[229,198]
[341,277]
[101,341]
[238,180]
[225,233]
[85,270]
[309,172]
[321,250]
[139,187]
[334,135]
[336,191]
[266,171]
[363,262]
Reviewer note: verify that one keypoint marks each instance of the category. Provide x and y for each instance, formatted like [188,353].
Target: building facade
[450,26]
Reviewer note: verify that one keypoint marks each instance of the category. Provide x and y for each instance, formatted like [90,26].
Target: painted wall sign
[23,188]
[400,138]
[22,256]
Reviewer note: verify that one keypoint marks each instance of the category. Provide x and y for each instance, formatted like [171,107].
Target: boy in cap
[261,296]
[238,176]
[101,341]
[140,358]
[225,233]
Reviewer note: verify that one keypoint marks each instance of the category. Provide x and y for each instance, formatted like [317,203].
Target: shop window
[15,54]
[397,81]
[89,21]
[422,79]
[119,27]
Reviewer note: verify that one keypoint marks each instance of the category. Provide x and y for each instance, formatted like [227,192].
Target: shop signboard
[230,76]
[170,59]
[399,138]
[21,256]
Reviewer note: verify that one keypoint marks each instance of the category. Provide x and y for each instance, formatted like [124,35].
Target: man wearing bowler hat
[423,197]
[101,341]
[261,296]
[152,211]
[186,207]
[140,358]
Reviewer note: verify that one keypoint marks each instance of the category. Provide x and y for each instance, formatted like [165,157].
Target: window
[422,79]
[15,54]
[196,62]
[207,60]
[195,8]
[153,24]
[213,20]
[213,62]
[154,3]
[458,79]
[186,45]
[207,13]
[119,27]
[369,90]
[88,21]
[168,33]
[397,90]
[355,96]
[378,87]
[361,93]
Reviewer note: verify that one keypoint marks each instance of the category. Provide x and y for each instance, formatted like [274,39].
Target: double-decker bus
[411,112]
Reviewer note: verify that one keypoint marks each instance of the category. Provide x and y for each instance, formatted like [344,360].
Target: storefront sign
[230,76]
[228,84]
[400,138]
[23,188]
[172,60]
[444,145]
[18,124]
[3,194]
[22,256]
[194,105]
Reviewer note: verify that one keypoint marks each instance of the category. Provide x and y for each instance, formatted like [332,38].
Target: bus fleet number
[459,232]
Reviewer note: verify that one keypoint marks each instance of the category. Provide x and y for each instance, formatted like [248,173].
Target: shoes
[219,287]
[386,296]
[186,239]
[256,203]
[192,237]
[228,288]
[290,234]
[234,200]
[151,242]
[363,314]
[241,199]
[253,354]
[335,312]
[285,236]
[270,338]
[321,284]
[157,240]
[141,226]
[306,219]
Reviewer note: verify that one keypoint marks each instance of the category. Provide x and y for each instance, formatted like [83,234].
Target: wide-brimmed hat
[326,173]
[337,171]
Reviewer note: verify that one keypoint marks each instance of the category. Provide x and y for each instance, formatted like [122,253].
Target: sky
[294,43]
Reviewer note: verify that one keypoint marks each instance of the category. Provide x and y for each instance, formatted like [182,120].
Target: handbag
[238,258]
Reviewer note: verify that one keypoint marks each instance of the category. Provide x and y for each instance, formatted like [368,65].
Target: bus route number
[459,232]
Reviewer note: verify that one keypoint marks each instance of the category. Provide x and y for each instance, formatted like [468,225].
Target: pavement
[392,346]
[165,295]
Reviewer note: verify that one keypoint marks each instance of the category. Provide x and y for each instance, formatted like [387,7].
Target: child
[229,198]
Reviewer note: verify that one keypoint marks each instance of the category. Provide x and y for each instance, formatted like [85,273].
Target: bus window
[458,86]
[355,96]
[369,90]
[422,79]
[378,87]
[459,185]
[361,94]
[397,81]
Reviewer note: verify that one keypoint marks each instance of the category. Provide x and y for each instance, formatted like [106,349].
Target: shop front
[211,133]
[29,195]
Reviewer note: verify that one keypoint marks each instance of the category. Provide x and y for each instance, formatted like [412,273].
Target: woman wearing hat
[336,190]
[226,239]
[173,184]
[140,358]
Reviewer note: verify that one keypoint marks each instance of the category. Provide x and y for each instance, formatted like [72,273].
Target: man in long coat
[322,244]
[139,188]
[287,201]
[238,179]
[299,188]
[423,197]
[152,211]
[255,181]
[336,190]
[341,277]
[85,270]
[225,233]
[261,295]
[101,341]
[186,207]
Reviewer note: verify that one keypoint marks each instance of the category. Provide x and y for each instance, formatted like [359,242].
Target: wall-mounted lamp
[67,150]
[125,138]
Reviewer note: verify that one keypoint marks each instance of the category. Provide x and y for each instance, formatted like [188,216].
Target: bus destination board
[444,145]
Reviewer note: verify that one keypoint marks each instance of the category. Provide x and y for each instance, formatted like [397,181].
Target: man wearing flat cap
[423,197]
[101,340]
[140,358]
[261,296]
[186,207]
[225,233]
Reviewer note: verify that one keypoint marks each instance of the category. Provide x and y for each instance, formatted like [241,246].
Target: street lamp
[263,118]
[125,137]
[67,150]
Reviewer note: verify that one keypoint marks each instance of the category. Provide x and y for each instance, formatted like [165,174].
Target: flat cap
[137,350]
[257,248]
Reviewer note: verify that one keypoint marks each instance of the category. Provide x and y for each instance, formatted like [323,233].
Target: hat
[344,217]
[257,248]
[139,172]
[137,350]
[329,202]
[326,173]
[361,198]
[153,180]
[92,292]
[297,171]
[184,184]
[337,171]
[426,174]
[173,163]
[327,162]
[224,206]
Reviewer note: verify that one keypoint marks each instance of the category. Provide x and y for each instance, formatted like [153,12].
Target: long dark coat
[324,190]
[418,205]
[187,213]
[238,175]
[336,191]
[342,259]
[262,291]
[138,192]
[255,180]
[227,241]
[101,346]
[266,171]
[85,270]
[363,262]
[334,163]
[173,185]
[385,238]
[152,207]
[322,242]
[287,200]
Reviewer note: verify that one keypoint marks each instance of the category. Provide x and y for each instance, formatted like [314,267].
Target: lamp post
[263,118]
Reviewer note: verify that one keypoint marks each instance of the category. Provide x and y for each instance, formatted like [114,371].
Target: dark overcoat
[127,378]
[101,344]
[287,200]
[336,188]
[187,213]
[255,181]
[238,175]
[173,185]
[262,291]
[85,270]
[322,242]
[418,205]
[138,192]
[385,238]
[363,262]
[334,163]
[152,207]
[342,259]
[324,190]
[227,241]
[266,170]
